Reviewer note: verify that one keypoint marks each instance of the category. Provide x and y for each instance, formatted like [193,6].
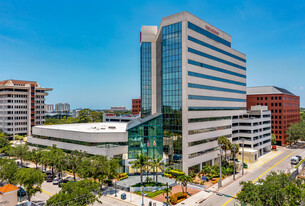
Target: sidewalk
[201,196]
[264,159]
[135,199]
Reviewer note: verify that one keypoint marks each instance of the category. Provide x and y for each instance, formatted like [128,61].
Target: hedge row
[178,197]
[176,173]
[123,176]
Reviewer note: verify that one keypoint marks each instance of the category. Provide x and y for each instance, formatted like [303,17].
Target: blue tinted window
[145,78]
[214,48]
[208,34]
[194,74]
[198,86]
[171,68]
[194,51]
[214,68]
[216,98]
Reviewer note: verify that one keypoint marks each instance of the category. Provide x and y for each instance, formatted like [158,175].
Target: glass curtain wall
[145,79]
[146,138]
[172,93]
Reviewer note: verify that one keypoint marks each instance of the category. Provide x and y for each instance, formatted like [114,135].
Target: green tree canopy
[81,193]
[8,170]
[295,132]
[273,141]
[276,189]
[20,151]
[5,145]
[31,180]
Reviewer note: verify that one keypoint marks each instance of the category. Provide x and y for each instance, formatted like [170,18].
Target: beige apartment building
[22,106]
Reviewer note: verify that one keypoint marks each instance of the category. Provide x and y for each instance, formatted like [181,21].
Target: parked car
[49,178]
[298,156]
[56,180]
[294,160]
[60,182]
[21,192]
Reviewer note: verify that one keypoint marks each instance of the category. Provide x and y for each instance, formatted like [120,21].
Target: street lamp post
[243,140]
[234,150]
[167,194]
[142,196]
[115,188]
[220,179]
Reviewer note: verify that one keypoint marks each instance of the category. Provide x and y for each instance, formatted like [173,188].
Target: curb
[121,200]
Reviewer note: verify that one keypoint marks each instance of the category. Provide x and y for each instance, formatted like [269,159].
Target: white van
[294,160]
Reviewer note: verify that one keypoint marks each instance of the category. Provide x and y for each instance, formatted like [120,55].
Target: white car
[295,160]
[56,180]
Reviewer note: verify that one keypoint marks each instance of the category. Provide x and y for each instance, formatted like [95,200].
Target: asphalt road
[279,163]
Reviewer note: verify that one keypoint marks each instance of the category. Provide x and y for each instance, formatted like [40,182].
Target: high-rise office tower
[21,106]
[192,83]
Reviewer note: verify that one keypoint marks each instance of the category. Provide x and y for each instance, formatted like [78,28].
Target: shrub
[167,175]
[122,176]
[192,175]
[176,173]
[168,169]
[178,197]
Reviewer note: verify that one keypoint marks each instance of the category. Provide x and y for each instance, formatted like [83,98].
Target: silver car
[56,180]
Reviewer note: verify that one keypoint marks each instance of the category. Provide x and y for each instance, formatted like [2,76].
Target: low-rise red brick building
[136,106]
[284,107]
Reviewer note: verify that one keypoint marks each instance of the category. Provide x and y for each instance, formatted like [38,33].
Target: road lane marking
[264,162]
[263,174]
[45,191]
[272,167]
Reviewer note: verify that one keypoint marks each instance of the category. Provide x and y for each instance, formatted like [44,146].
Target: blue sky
[88,51]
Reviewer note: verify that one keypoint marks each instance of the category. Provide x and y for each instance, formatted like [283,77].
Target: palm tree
[74,159]
[34,156]
[157,164]
[187,179]
[180,180]
[20,151]
[140,163]
[60,160]
[225,144]
[234,148]
[43,160]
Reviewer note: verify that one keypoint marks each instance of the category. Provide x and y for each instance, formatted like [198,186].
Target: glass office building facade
[146,137]
[146,78]
[208,89]
[172,93]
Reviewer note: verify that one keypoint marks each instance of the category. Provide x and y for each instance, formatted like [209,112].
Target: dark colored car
[49,178]
[21,192]
[62,181]
[298,156]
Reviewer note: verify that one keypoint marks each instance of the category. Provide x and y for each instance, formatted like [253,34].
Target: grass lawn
[151,194]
